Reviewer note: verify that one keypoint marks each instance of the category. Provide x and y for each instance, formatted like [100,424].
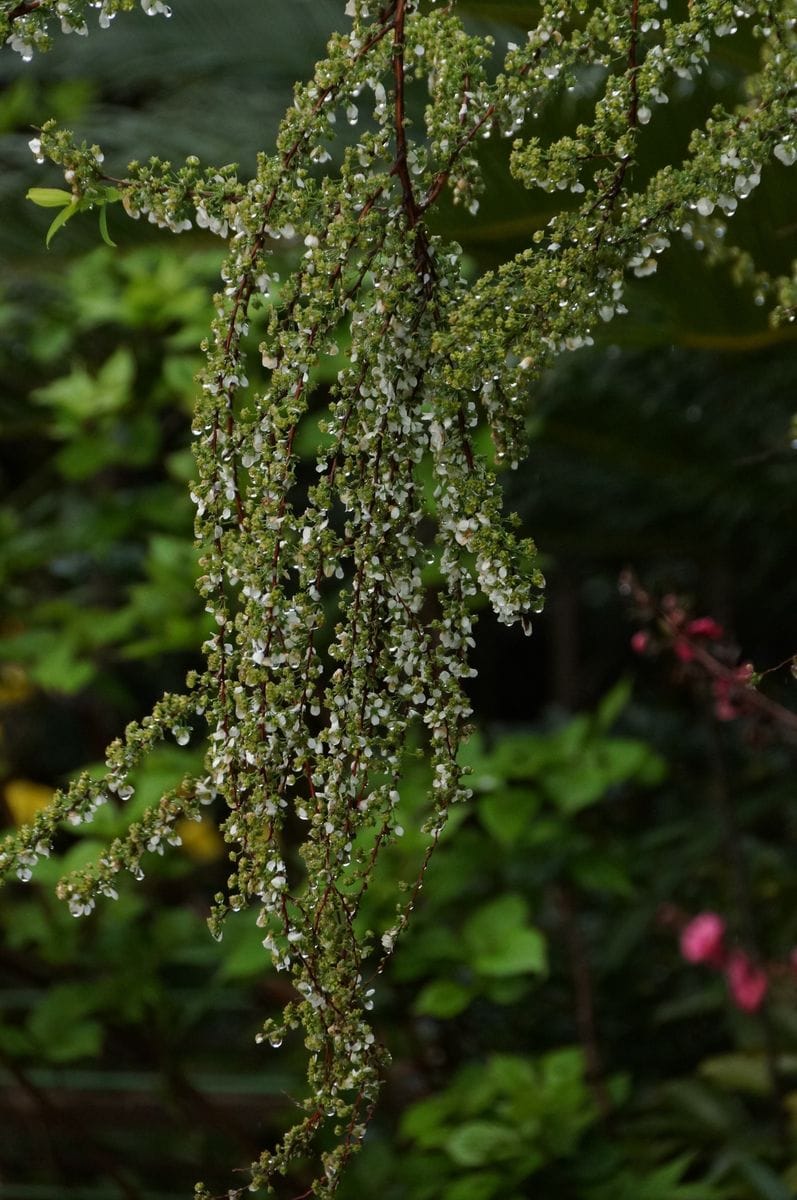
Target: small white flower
[785,153]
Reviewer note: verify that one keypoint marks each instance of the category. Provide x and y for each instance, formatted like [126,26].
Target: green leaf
[506,989]
[517,756]
[50,197]
[574,786]
[443,998]
[612,705]
[104,234]
[512,1074]
[519,951]
[507,814]
[705,1110]
[477,1143]
[63,670]
[625,758]
[60,1024]
[242,952]
[738,1073]
[64,215]
[502,942]
[598,873]
[763,1180]
[77,397]
[425,1122]
[479,1185]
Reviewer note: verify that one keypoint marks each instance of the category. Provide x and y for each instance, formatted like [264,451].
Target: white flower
[785,153]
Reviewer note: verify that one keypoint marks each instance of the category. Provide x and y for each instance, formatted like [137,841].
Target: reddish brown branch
[400,167]
[584,999]
[22,10]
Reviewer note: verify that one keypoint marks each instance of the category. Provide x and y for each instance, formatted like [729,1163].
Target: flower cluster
[705,654]
[329,653]
[703,941]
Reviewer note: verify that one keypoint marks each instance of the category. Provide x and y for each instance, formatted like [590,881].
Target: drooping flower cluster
[309,717]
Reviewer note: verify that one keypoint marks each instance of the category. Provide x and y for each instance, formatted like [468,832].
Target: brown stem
[583,995]
[400,166]
[22,10]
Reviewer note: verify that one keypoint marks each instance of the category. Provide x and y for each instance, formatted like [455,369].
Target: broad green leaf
[60,1022]
[508,814]
[83,1039]
[242,952]
[63,670]
[502,942]
[517,756]
[489,922]
[78,397]
[479,1142]
[624,758]
[576,785]
[443,998]
[425,1122]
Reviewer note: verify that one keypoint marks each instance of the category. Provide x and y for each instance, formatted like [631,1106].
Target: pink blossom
[702,939]
[683,650]
[705,627]
[747,983]
[640,641]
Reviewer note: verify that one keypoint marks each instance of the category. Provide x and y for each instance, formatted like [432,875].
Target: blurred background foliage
[547,1038]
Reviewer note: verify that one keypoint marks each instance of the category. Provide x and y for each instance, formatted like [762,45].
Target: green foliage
[511,1113]
[88,579]
[70,205]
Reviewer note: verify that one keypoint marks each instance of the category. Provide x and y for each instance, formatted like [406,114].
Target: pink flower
[640,641]
[705,627]
[683,650]
[747,983]
[702,939]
